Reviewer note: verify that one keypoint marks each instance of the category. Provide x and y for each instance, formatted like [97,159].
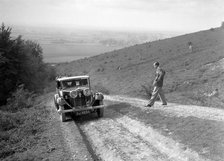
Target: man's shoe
[148,105]
[164,104]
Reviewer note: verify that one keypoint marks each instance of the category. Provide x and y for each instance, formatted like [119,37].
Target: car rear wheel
[100,112]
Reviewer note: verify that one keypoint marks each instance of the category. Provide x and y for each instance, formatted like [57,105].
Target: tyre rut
[88,144]
[119,137]
[174,109]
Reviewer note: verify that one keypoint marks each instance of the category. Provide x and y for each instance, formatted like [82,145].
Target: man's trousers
[157,91]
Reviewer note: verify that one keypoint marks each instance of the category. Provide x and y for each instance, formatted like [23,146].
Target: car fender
[56,96]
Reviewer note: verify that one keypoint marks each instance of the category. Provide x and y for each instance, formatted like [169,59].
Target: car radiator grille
[80,101]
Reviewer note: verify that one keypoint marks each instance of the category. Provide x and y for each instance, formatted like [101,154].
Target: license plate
[83,112]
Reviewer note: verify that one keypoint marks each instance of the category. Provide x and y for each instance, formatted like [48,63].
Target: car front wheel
[62,115]
[55,103]
[100,112]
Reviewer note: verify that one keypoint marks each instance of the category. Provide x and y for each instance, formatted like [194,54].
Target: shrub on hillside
[50,87]
[147,90]
[197,97]
[175,86]
[21,62]
[85,72]
[20,99]
[100,88]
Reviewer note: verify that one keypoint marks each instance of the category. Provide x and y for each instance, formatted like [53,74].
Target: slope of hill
[191,76]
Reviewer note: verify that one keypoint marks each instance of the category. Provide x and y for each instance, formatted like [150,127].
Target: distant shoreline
[68,45]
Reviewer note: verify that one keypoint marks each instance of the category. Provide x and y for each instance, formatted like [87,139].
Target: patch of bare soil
[200,129]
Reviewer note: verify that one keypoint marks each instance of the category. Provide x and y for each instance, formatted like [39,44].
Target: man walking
[158,84]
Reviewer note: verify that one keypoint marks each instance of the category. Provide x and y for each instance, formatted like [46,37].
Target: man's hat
[156,63]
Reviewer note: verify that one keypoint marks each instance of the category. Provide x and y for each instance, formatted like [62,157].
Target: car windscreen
[74,83]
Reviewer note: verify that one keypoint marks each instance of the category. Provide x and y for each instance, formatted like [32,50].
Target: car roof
[72,77]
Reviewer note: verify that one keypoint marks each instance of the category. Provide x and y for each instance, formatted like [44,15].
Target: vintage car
[74,95]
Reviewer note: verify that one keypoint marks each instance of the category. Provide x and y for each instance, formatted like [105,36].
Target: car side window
[58,84]
[84,82]
[77,83]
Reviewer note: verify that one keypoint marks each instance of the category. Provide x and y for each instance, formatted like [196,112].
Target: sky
[136,15]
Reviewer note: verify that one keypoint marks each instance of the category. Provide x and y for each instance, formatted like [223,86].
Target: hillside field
[192,76]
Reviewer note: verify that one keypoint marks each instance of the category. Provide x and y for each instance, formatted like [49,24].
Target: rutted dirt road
[174,109]
[130,131]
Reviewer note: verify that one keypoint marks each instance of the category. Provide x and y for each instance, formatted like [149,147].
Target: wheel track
[116,142]
[174,109]
[123,138]
[88,144]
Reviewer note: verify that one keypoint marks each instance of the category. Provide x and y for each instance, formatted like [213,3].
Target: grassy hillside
[191,76]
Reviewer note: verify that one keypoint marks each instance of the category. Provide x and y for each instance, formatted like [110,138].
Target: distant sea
[56,53]
[66,45]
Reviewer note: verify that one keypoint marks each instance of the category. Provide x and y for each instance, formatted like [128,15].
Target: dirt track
[174,109]
[130,131]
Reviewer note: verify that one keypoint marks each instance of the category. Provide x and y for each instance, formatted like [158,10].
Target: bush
[100,88]
[50,87]
[20,99]
[21,62]
[197,97]
[147,90]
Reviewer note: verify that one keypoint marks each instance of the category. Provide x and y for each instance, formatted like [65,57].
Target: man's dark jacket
[160,73]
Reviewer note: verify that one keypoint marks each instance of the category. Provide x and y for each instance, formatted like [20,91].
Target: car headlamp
[60,101]
[99,96]
[74,94]
[87,92]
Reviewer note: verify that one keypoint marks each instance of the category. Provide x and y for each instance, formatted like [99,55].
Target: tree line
[21,63]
